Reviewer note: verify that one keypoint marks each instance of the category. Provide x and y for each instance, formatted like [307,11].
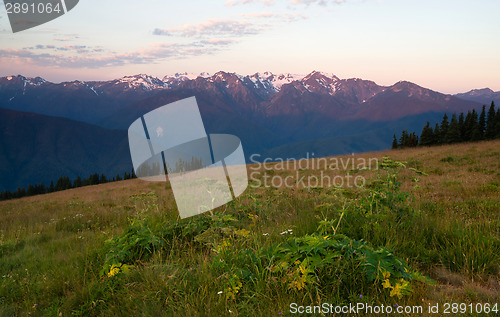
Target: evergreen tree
[475,134]
[103,179]
[59,184]
[497,124]
[444,129]
[78,182]
[21,192]
[404,139]
[489,133]
[453,135]
[63,183]
[40,189]
[468,126]
[94,179]
[31,190]
[118,178]
[461,126]
[394,142]
[437,134]
[482,123]
[413,142]
[6,195]
[427,135]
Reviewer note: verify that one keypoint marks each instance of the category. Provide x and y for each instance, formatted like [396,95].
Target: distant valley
[77,128]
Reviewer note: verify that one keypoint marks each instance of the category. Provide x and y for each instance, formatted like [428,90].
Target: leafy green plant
[315,253]
[136,243]
[232,290]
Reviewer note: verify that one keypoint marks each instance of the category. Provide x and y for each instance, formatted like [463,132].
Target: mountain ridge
[168,81]
[483,95]
[273,114]
[36,148]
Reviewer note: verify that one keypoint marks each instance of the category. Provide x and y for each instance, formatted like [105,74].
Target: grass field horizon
[420,232]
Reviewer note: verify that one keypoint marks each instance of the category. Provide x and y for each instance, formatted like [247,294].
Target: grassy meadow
[421,232]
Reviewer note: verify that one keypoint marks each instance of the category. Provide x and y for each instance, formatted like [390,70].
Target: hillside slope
[64,243]
[36,148]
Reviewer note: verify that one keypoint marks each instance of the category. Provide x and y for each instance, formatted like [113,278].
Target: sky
[448,46]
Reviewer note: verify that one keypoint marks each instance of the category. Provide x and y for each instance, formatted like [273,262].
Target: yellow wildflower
[242,233]
[302,269]
[396,291]
[113,271]
[253,217]
[299,284]
[386,284]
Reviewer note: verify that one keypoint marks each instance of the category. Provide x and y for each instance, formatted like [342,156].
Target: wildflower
[386,275]
[396,291]
[299,284]
[113,271]
[265,234]
[117,268]
[223,247]
[220,292]
[253,217]
[386,284]
[404,284]
[302,269]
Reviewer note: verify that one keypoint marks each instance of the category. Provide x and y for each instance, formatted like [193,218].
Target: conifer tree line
[462,128]
[63,183]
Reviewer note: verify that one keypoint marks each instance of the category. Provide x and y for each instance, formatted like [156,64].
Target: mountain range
[77,128]
[484,96]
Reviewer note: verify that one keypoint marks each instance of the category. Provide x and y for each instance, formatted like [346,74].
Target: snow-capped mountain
[20,82]
[177,78]
[87,101]
[276,81]
[131,83]
[281,114]
[266,80]
[261,95]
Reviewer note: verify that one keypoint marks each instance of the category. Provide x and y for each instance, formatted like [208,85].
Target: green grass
[118,249]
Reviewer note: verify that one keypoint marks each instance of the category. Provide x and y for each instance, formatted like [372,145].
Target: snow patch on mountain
[282,79]
[180,77]
[143,81]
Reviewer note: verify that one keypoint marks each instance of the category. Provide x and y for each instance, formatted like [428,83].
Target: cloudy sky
[447,45]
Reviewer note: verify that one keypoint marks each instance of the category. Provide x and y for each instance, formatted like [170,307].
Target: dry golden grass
[60,235]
